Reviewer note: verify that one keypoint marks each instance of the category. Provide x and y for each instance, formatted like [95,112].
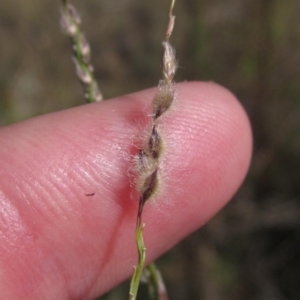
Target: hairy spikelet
[148,161]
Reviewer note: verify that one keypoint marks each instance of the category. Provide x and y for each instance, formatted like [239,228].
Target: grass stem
[71,24]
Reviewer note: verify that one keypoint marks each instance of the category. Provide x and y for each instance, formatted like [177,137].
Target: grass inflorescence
[149,155]
[71,24]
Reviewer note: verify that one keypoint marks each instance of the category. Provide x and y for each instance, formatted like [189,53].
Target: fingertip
[50,164]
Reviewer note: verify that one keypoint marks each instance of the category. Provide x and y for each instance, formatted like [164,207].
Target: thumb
[67,220]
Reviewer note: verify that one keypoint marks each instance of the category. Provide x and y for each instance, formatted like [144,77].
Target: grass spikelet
[71,24]
[148,159]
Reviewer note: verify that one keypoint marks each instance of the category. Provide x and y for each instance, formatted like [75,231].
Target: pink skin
[57,242]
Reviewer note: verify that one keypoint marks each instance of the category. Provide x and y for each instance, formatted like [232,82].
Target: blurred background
[251,250]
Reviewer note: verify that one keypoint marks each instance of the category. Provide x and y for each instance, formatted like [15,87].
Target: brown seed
[154,143]
[150,185]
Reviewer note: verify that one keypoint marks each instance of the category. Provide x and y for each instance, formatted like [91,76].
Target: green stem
[156,286]
[138,270]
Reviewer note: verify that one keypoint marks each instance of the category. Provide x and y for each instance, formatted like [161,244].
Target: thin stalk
[138,270]
[148,161]
[156,286]
[71,23]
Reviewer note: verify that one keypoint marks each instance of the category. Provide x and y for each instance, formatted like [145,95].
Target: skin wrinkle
[52,180]
[27,187]
[176,145]
[110,179]
[106,166]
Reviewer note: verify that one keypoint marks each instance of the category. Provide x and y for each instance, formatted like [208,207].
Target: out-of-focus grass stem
[71,24]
